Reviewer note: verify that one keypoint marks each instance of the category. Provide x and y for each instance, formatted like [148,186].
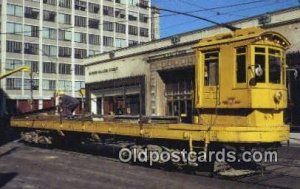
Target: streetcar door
[211,76]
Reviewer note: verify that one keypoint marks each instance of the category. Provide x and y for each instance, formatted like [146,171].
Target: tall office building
[53,36]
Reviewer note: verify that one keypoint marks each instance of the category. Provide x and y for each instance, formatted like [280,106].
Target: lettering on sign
[104,71]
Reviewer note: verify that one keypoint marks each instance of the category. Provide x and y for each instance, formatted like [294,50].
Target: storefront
[118,97]
[117,87]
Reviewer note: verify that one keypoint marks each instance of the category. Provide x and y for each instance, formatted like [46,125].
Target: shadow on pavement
[8,152]
[7,133]
[6,177]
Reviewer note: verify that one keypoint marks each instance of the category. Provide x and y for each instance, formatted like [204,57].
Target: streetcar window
[260,50]
[211,68]
[274,66]
[241,65]
[260,61]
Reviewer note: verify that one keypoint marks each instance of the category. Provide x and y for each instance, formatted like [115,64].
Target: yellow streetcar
[239,98]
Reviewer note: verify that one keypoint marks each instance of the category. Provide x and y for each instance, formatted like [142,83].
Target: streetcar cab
[267,77]
[242,76]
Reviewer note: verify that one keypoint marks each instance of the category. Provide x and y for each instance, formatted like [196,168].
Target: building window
[64,18]
[14,10]
[132,16]
[144,32]
[80,21]
[49,16]
[79,85]
[80,37]
[94,52]
[241,65]
[108,11]
[13,28]
[64,85]
[50,2]
[94,8]
[31,84]
[49,85]
[13,46]
[49,67]
[93,23]
[64,35]
[12,64]
[64,69]
[80,5]
[94,39]
[119,13]
[144,18]
[65,3]
[108,41]
[31,31]
[80,53]
[120,28]
[34,65]
[49,50]
[133,30]
[31,13]
[49,33]
[132,43]
[64,52]
[133,2]
[31,48]
[79,69]
[144,4]
[121,1]
[108,26]
[120,43]
[13,83]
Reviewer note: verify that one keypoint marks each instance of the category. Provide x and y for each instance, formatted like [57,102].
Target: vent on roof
[265,19]
[175,39]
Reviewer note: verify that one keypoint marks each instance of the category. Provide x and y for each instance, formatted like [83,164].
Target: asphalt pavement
[23,166]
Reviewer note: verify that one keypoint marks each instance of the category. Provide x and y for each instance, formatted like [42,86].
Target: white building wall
[129,67]
[43,94]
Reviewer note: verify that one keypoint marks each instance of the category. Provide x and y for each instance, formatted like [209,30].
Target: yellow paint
[185,132]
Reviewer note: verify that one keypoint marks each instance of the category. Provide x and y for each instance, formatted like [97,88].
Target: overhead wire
[219,7]
[160,16]
[239,10]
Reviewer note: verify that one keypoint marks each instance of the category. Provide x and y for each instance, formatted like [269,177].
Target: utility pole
[31,91]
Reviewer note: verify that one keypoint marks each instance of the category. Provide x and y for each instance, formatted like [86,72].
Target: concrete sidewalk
[295,139]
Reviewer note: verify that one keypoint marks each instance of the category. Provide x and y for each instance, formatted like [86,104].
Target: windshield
[270,61]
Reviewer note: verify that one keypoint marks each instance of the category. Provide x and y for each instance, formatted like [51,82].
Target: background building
[164,69]
[53,36]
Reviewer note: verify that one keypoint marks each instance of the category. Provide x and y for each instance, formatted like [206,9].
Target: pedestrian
[68,104]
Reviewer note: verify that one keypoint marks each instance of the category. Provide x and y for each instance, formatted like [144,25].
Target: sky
[216,10]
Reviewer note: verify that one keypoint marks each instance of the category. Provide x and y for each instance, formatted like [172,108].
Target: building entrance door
[179,88]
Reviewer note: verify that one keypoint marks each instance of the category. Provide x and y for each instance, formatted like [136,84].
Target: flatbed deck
[172,131]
